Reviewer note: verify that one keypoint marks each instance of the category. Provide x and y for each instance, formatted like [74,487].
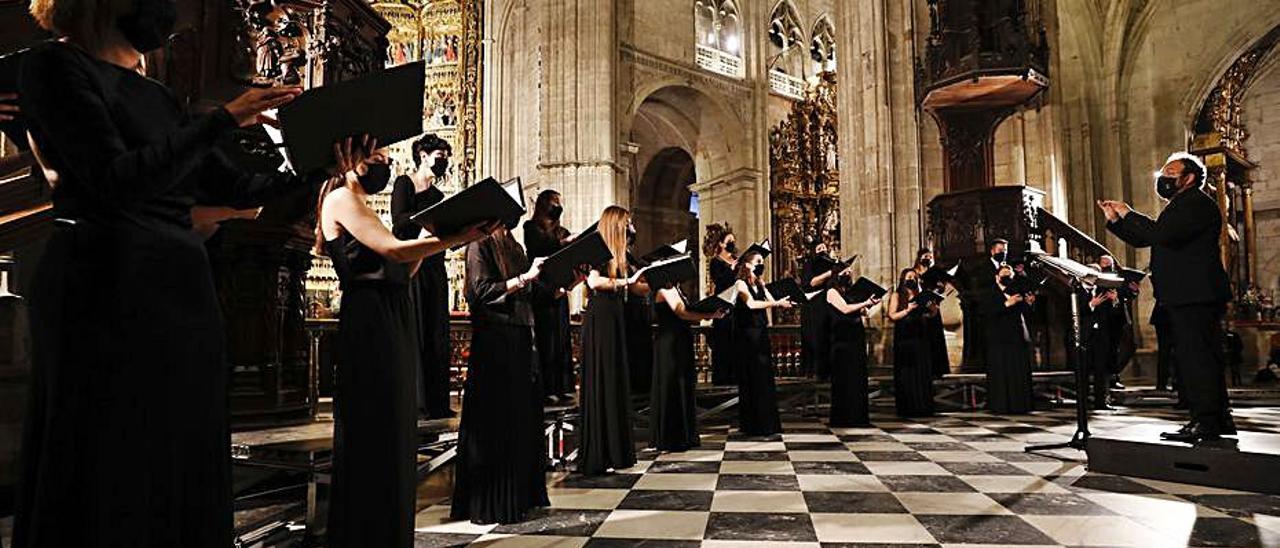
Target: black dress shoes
[1196,433]
[1181,432]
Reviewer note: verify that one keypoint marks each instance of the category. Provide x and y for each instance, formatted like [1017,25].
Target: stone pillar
[879,152]
[580,145]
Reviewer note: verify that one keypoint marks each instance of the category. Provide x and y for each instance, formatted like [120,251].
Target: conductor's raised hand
[8,106]
[247,109]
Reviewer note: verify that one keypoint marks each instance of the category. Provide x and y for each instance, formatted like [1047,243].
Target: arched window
[786,56]
[719,36]
[822,48]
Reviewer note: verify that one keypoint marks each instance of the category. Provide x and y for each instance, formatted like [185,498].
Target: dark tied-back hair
[716,233]
[429,143]
[993,243]
[921,252]
[742,270]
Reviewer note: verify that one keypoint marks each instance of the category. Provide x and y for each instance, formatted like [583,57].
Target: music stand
[1074,276]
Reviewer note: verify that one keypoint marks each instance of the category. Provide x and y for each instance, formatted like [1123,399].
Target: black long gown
[848,363]
[639,319]
[500,471]
[127,439]
[757,395]
[674,425]
[1008,347]
[375,424]
[551,316]
[936,335]
[606,387]
[429,290]
[912,359]
[723,369]
[815,327]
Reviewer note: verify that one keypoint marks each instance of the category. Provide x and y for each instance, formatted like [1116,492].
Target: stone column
[580,148]
[879,152]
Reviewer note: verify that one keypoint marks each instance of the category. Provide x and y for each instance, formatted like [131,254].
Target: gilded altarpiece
[445,35]
[804,182]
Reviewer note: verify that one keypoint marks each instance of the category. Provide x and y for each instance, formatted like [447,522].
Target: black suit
[977,282]
[1188,279]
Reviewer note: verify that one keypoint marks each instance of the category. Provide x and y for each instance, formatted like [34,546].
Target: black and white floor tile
[960,479]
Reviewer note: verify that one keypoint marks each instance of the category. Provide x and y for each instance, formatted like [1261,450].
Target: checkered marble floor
[960,479]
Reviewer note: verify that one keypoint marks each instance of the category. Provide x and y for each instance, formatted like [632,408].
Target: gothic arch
[677,113]
[1243,40]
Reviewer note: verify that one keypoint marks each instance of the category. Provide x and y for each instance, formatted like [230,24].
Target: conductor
[1189,280]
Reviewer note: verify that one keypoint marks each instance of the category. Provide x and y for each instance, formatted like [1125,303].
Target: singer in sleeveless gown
[848,366]
[375,406]
[673,423]
[757,395]
[606,440]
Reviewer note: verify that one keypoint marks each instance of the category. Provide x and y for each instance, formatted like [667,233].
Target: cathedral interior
[875,127]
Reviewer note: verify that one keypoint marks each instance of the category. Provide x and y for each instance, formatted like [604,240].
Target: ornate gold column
[1250,234]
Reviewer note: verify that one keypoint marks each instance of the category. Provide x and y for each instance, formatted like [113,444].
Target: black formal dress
[1008,345]
[500,470]
[639,320]
[551,316]
[723,370]
[757,395]
[1102,343]
[912,362]
[606,387]
[673,425]
[429,290]
[936,335]
[127,440]
[848,363]
[815,326]
[375,423]
[1188,279]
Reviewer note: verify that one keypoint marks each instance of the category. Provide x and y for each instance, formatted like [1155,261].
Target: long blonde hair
[613,228]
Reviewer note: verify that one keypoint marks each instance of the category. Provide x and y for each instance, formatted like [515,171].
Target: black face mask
[147,27]
[375,180]
[631,236]
[1004,280]
[731,247]
[440,167]
[999,257]
[926,263]
[1167,187]
[758,270]
[555,212]
[913,285]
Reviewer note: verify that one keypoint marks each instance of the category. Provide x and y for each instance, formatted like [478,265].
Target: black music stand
[1073,276]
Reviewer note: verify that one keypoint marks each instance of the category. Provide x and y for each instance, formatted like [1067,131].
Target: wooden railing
[785,342]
